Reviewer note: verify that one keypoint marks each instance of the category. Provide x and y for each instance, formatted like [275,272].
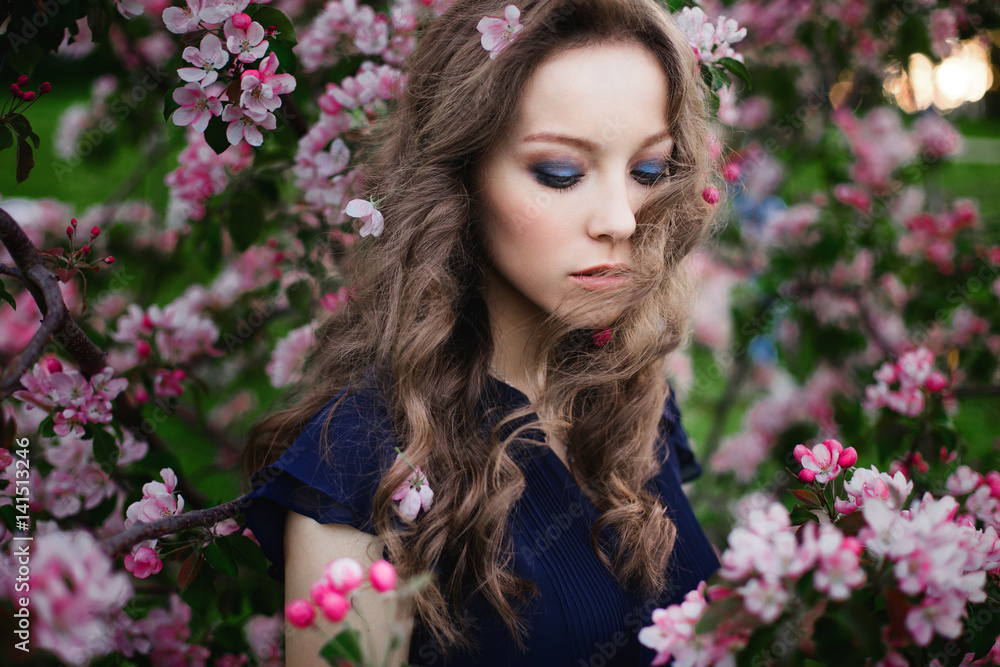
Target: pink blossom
[262,86]
[371,30]
[180,20]
[839,568]
[943,31]
[289,356]
[382,575]
[711,42]
[499,33]
[243,124]
[168,382]
[217,11]
[764,599]
[75,595]
[167,630]
[197,107]
[207,59]
[158,501]
[366,211]
[264,635]
[415,494]
[710,194]
[143,562]
[938,137]
[332,301]
[853,196]
[963,481]
[247,45]
[825,459]
[300,613]
[865,484]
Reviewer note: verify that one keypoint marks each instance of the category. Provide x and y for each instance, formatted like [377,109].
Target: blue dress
[583,616]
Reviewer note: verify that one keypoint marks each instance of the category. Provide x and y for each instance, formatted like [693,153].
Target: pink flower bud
[54,366]
[800,451]
[141,395]
[731,172]
[85,250]
[94,233]
[319,590]
[72,221]
[936,382]
[143,349]
[28,96]
[382,574]
[601,337]
[345,574]
[23,79]
[109,260]
[300,613]
[241,21]
[711,195]
[848,458]
[15,90]
[69,231]
[46,87]
[335,606]
[807,476]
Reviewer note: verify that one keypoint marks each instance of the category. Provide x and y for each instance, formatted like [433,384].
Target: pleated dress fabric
[583,617]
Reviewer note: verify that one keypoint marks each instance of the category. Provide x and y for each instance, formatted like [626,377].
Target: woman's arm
[309,546]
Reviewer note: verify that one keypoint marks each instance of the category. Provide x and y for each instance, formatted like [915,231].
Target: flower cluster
[982,491]
[203,96]
[711,41]
[824,462]
[928,560]
[914,372]
[937,556]
[331,593]
[200,174]
[289,355]
[74,400]
[159,500]
[932,235]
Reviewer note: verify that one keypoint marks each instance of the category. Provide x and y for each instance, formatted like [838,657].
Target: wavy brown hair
[419,319]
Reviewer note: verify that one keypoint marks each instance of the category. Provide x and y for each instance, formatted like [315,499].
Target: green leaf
[345,645]
[7,515]
[268,16]
[215,135]
[6,138]
[737,68]
[800,515]
[287,61]
[105,448]
[45,428]
[22,128]
[25,161]
[806,496]
[221,556]
[7,296]
[200,594]
[247,553]
[245,218]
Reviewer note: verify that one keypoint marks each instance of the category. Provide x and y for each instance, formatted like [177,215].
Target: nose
[613,216]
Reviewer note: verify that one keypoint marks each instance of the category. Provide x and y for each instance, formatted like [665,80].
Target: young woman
[508,332]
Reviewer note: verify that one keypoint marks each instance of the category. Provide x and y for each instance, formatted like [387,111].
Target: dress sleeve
[677,438]
[337,487]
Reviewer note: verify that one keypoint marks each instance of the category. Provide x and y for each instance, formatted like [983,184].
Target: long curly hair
[418,316]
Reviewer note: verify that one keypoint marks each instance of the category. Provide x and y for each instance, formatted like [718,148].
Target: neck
[512,324]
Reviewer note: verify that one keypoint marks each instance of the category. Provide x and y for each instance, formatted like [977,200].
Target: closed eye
[650,172]
[557,175]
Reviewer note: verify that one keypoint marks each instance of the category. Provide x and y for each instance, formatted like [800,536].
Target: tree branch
[123,541]
[56,323]
[12,271]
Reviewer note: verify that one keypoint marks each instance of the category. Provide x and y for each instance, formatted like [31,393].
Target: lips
[603,269]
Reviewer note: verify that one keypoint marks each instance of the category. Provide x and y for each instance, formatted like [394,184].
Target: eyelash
[565,183]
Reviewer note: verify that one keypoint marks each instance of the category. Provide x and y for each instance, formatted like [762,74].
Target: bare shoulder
[309,546]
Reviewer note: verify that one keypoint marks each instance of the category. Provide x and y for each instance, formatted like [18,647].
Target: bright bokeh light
[964,76]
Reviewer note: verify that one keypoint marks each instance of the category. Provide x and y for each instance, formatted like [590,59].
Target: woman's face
[561,194]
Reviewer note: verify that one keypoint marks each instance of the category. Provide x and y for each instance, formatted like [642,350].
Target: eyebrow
[587,144]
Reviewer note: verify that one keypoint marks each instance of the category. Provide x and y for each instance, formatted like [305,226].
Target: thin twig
[12,271]
[117,544]
[56,323]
